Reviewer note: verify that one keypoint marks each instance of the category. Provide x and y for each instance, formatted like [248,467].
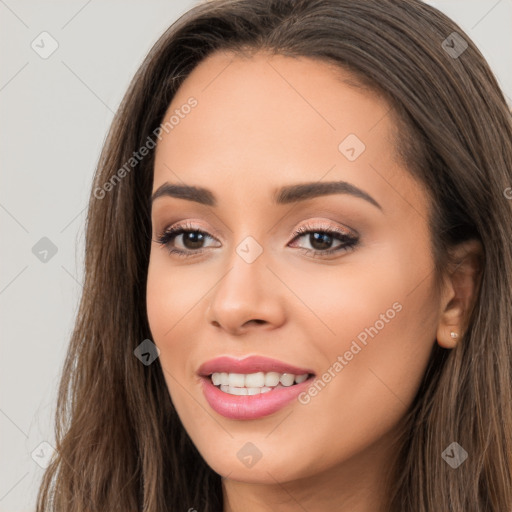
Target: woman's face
[352,301]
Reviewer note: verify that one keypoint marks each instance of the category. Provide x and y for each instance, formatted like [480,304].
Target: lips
[251,364]
[251,407]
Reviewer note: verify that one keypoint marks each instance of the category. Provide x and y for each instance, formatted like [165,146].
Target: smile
[254,383]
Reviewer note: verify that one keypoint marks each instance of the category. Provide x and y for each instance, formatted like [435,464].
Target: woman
[298,272]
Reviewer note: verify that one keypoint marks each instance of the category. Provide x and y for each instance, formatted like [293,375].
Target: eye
[192,239]
[321,239]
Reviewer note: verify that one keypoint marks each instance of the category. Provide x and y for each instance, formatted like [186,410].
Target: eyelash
[349,241]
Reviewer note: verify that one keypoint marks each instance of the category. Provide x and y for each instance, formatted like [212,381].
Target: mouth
[251,402]
[253,387]
[255,383]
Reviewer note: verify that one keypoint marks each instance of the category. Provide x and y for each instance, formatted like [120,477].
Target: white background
[55,114]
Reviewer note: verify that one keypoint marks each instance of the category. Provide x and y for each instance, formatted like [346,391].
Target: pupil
[324,240]
[193,240]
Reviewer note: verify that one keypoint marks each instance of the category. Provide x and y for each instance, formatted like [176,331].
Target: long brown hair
[120,444]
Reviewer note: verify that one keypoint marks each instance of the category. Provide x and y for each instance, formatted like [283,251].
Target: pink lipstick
[253,387]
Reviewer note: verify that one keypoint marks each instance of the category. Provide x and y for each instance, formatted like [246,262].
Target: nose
[247,296]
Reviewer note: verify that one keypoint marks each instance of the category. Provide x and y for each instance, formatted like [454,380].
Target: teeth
[301,378]
[232,390]
[244,391]
[254,380]
[255,391]
[272,379]
[237,380]
[254,383]
[287,379]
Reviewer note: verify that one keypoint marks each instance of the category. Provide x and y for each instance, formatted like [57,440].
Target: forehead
[264,121]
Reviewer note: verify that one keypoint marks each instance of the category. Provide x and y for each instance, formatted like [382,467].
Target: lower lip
[250,407]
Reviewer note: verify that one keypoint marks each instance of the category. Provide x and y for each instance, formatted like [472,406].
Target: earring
[453,335]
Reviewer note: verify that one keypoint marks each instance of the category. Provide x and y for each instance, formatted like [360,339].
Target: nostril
[257,320]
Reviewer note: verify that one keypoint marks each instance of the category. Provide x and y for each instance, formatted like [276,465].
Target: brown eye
[321,239]
[192,239]
[184,240]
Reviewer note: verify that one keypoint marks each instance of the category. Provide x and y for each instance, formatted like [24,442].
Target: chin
[266,466]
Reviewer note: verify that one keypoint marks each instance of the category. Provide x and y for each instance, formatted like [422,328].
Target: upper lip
[251,364]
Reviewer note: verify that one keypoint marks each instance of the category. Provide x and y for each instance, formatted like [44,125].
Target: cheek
[383,320]
[170,300]
[369,384]
[381,299]
[173,294]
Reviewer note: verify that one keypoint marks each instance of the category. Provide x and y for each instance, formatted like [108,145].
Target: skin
[261,123]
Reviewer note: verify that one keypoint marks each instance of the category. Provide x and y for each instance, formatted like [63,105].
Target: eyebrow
[284,195]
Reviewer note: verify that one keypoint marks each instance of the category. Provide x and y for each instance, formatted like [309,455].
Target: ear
[460,289]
